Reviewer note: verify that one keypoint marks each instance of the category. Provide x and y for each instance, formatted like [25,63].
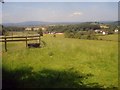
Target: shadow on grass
[46,78]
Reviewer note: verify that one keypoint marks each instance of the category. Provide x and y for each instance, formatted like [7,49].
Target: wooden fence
[6,39]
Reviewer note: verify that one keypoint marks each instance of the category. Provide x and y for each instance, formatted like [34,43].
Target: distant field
[113,37]
[63,62]
[22,33]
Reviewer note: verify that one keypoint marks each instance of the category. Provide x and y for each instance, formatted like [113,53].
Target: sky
[61,0]
[14,12]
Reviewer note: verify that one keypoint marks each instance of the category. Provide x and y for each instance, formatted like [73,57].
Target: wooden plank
[12,37]
[34,36]
[3,37]
[26,38]
[19,40]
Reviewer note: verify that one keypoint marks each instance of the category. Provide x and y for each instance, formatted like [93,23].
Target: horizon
[14,12]
[60,22]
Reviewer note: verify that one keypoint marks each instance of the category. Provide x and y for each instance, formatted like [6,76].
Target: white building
[59,33]
[28,29]
[35,29]
[43,28]
[97,31]
[103,33]
[116,30]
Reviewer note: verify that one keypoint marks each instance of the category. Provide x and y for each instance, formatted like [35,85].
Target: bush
[40,32]
[84,37]
[78,35]
[81,35]
[110,32]
[92,37]
[69,34]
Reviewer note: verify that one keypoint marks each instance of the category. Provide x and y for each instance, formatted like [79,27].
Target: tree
[40,32]
[3,30]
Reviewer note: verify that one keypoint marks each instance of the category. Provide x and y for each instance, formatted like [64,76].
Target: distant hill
[39,23]
[116,23]
[28,23]
[111,22]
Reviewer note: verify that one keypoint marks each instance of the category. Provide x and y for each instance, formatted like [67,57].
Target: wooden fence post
[6,39]
[5,44]
[39,39]
[26,41]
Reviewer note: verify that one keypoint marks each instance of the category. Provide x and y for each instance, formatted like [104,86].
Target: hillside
[63,62]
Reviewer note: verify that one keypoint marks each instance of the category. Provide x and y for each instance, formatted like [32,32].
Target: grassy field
[113,37]
[63,62]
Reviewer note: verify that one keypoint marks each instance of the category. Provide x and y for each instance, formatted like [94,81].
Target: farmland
[62,62]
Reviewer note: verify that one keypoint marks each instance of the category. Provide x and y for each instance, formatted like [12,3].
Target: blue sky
[61,0]
[59,11]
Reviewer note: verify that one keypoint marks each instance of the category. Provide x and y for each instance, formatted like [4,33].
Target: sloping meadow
[63,62]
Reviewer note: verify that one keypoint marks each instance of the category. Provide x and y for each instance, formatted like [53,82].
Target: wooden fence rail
[6,39]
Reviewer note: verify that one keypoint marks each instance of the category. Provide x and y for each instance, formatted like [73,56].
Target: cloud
[76,14]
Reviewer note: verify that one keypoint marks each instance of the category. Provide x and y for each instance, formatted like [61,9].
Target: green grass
[21,33]
[113,37]
[94,58]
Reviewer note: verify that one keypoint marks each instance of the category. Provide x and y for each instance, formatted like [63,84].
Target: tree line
[82,30]
[73,27]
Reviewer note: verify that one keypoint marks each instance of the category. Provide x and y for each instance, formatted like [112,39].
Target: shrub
[110,32]
[69,34]
[81,35]
[84,37]
[92,37]
[78,35]
[40,32]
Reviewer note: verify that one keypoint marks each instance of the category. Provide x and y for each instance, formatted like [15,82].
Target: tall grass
[113,37]
[99,58]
